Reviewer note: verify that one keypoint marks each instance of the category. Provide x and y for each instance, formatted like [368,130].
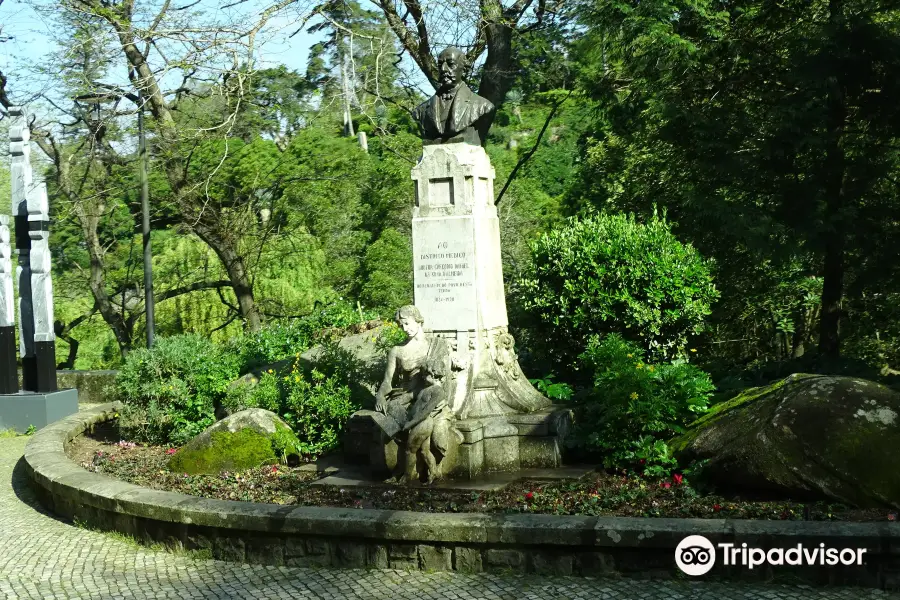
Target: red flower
[529,495]
[275,469]
[678,479]
[666,484]
[643,461]
[892,516]
[171,451]
[717,507]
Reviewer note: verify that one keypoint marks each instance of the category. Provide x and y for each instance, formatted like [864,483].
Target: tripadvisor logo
[695,555]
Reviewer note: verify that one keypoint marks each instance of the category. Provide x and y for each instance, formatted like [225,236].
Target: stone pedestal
[21,410]
[458,277]
[482,446]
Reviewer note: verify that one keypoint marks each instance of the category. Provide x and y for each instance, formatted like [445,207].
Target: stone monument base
[20,411]
[482,445]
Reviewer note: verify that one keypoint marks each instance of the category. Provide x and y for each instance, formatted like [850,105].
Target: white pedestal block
[458,278]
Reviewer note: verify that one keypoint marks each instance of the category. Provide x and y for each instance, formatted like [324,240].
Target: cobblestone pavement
[41,557]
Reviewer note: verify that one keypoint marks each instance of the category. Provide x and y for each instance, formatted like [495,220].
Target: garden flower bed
[502,532]
[597,494]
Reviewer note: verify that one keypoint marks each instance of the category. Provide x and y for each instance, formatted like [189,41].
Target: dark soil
[597,494]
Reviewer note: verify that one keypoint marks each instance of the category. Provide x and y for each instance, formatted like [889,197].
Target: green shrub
[271,344]
[555,390]
[391,335]
[280,341]
[611,274]
[339,313]
[636,406]
[314,405]
[170,393]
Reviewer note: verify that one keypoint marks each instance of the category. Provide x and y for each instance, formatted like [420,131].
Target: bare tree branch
[423,59]
[525,158]
[187,289]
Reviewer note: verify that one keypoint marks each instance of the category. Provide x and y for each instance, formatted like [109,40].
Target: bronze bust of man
[455,113]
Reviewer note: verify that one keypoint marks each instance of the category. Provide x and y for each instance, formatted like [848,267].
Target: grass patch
[12,432]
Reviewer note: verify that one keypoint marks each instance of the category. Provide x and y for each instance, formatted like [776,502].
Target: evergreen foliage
[766,133]
[170,393]
[612,274]
[637,404]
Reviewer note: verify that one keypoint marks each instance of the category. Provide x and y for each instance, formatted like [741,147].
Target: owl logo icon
[695,555]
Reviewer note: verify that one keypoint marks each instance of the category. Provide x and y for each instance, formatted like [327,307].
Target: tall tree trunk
[835,199]
[832,293]
[237,274]
[797,345]
[144,77]
[97,282]
[497,76]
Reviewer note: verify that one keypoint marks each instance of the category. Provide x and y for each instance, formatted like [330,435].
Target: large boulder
[245,440]
[361,358]
[806,437]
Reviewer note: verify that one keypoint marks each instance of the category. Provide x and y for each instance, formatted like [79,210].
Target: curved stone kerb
[67,483]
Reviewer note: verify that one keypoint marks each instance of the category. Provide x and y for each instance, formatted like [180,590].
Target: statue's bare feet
[434,474]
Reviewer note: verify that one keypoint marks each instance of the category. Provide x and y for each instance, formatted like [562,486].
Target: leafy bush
[284,340]
[170,392]
[610,274]
[636,406]
[339,313]
[314,405]
[555,390]
[271,344]
[391,335]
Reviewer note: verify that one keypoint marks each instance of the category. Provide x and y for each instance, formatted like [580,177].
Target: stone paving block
[316,547]
[349,554]
[594,563]
[265,551]
[545,563]
[403,551]
[227,548]
[377,556]
[294,546]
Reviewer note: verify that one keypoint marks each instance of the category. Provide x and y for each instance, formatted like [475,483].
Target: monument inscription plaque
[445,273]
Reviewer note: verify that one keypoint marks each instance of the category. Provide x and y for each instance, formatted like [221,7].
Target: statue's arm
[387,382]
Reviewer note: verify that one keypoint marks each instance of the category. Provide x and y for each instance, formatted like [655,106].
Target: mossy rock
[245,440]
[805,437]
